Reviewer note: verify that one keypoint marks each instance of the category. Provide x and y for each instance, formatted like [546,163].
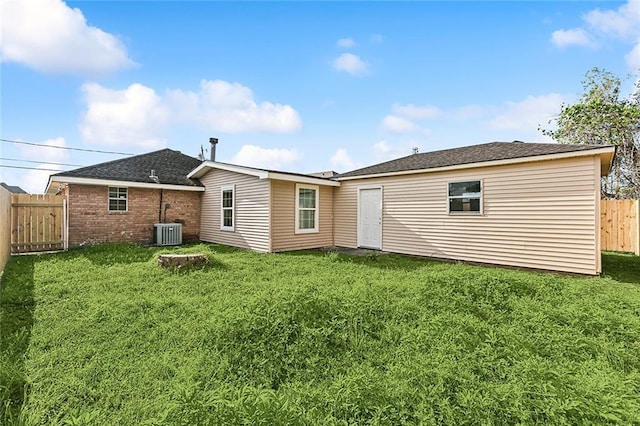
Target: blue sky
[297,86]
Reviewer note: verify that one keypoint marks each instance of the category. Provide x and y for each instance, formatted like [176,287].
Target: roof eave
[606,153]
[112,182]
[205,167]
[302,179]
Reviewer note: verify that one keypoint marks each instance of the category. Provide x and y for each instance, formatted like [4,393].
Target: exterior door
[370,218]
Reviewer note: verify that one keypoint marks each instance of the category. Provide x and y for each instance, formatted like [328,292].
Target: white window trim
[316,229]
[481,197]
[231,188]
[109,198]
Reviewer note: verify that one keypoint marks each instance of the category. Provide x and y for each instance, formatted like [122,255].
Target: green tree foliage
[603,116]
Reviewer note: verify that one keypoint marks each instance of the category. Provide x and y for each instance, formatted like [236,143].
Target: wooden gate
[620,226]
[38,223]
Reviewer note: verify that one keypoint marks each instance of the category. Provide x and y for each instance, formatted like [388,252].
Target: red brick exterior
[91,222]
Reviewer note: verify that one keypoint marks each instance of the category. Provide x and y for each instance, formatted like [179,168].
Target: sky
[294,86]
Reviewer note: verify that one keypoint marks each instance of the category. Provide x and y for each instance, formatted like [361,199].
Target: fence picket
[619,226]
[36,223]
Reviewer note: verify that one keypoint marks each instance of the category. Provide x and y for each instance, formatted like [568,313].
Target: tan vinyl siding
[535,215]
[251,210]
[283,209]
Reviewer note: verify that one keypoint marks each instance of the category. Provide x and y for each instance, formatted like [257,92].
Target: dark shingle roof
[171,168]
[469,154]
[13,189]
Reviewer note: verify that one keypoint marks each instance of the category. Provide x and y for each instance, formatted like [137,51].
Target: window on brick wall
[118,199]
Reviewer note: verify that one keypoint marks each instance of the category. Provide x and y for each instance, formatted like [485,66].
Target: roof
[171,168]
[205,167]
[474,154]
[13,189]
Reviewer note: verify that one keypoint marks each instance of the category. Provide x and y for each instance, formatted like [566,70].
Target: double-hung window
[118,199]
[465,197]
[227,205]
[306,208]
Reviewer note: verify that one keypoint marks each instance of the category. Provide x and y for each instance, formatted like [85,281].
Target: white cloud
[346,43]
[621,23]
[573,37]
[528,114]
[416,112]
[35,181]
[135,116]
[472,112]
[342,161]
[44,153]
[403,118]
[395,124]
[376,38]
[269,158]
[350,63]
[384,151]
[633,57]
[231,108]
[49,36]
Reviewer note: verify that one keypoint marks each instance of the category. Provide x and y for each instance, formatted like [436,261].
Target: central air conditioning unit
[167,234]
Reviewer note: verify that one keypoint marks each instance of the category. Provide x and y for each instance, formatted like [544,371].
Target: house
[121,200]
[265,210]
[529,205]
[12,188]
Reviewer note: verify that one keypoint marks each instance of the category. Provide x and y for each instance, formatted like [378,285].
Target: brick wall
[90,221]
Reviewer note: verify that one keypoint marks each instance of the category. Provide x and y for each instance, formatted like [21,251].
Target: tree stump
[182,260]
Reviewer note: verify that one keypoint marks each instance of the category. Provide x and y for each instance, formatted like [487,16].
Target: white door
[370,218]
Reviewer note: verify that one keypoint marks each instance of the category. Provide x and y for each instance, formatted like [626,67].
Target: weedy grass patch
[103,336]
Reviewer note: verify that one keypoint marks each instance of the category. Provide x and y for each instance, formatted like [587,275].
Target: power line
[30,168]
[65,147]
[41,162]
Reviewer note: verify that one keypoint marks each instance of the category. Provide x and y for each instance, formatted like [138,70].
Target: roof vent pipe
[213,142]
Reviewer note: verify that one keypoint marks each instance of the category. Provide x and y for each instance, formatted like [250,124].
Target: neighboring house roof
[325,174]
[205,167]
[493,152]
[171,169]
[13,189]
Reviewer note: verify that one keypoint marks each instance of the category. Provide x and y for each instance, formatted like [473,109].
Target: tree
[603,116]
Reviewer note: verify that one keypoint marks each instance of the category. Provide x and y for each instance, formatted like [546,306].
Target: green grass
[103,336]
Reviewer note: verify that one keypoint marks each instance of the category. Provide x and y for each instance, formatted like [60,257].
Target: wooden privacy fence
[38,223]
[619,227]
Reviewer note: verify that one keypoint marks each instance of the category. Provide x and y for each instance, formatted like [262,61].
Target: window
[117,199]
[306,208]
[465,197]
[227,202]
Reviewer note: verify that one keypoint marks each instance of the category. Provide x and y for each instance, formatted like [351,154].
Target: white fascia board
[203,168]
[302,179]
[122,183]
[600,151]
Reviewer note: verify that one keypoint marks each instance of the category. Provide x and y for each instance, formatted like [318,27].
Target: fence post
[637,227]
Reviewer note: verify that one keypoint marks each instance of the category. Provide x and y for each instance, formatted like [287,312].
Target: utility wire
[65,147]
[30,168]
[40,162]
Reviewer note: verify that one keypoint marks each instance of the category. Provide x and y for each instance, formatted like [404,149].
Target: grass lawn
[103,336]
